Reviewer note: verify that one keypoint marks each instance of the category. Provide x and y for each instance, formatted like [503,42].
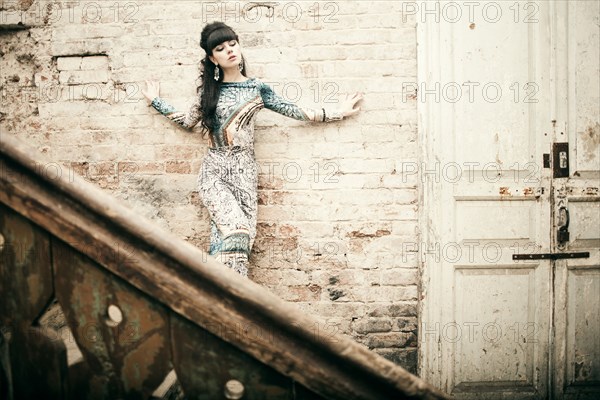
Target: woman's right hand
[152,88]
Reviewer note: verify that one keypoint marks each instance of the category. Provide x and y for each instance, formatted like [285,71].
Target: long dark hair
[212,35]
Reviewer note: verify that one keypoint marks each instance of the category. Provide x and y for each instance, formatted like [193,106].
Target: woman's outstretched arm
[278,104]
[185,120]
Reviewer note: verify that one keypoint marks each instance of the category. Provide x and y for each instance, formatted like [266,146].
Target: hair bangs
[219,36]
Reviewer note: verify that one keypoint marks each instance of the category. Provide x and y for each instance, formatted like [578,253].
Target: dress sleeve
[276,103]
[185,120]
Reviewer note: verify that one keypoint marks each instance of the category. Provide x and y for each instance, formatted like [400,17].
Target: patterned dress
[229,173]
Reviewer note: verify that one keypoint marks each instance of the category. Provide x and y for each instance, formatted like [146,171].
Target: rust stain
[505,191]
[528,191]
[472,26]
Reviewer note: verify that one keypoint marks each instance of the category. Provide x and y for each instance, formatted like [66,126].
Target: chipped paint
[589,140]
[131,353]
[377,233]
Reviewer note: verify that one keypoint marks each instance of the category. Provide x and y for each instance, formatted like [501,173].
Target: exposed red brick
[178,167]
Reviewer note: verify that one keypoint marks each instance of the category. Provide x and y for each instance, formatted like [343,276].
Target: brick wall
[334,210]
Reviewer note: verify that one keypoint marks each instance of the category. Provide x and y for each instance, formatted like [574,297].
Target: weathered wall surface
[334,209]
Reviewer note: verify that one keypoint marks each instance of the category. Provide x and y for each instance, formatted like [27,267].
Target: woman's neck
[233,75]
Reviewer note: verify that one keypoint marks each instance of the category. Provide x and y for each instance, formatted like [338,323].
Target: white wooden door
[492,102]
[576,347]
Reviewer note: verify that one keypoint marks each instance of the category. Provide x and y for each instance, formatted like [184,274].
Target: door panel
[584,85]
[499,353]
[577,323]
[495,64]
[583,352]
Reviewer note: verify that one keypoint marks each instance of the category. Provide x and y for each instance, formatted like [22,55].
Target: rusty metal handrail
[194,285]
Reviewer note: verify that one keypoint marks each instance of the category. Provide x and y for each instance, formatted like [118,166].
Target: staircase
[140,305]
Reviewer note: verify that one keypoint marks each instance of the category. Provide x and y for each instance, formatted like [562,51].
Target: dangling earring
[241,65]
[216,72]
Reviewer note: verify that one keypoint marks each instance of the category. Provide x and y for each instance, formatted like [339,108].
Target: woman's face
[227,54]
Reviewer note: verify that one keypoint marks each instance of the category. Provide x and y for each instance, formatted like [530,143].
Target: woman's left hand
[152,90]
[348,106]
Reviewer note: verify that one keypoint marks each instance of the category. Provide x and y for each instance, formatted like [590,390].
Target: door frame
[429,346]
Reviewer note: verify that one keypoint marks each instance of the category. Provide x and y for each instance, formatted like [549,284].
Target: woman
[226,105]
